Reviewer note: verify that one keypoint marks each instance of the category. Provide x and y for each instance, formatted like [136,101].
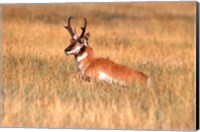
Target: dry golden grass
[39,84]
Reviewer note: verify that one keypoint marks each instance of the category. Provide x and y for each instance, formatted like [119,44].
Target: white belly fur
[105,77]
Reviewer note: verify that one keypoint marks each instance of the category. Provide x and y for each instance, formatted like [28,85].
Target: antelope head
[76,42]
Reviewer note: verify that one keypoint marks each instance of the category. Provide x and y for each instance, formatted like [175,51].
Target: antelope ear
[87,36]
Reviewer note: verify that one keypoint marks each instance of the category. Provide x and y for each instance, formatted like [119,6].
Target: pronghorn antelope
[92,67]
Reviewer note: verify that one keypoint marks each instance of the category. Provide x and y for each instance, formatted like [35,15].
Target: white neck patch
[80,58]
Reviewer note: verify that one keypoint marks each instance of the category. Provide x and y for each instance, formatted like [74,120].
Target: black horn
[83,28]
[69,28]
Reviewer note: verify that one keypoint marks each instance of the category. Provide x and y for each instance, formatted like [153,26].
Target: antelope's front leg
[84,77]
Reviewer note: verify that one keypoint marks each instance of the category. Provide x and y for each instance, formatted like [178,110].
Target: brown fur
[91,66]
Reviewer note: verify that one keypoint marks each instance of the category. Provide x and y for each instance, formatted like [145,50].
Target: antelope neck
[83,58]
[81,55]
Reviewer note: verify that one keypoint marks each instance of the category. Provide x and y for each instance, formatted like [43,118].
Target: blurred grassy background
[40,88]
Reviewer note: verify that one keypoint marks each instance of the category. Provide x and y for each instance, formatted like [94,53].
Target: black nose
[69,48]
[66,50]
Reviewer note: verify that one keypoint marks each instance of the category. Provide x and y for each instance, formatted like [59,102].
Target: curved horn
[69,28]
[83,28]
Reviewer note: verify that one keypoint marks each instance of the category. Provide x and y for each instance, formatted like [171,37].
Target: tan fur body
[91,66]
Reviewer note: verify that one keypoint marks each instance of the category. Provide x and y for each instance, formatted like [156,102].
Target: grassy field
[40,87]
